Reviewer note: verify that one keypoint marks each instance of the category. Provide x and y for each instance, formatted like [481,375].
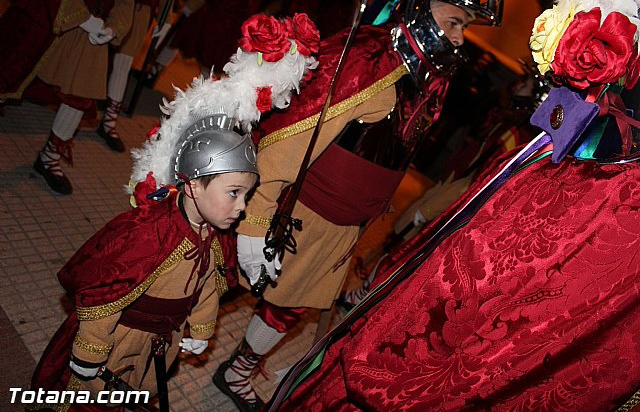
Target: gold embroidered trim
[203,327]
[61,17]
[258,220]
[94,348]
[221,283]
[102,311]
[336,109]
[218,259]
[628,405]
[218,256]
[74,385]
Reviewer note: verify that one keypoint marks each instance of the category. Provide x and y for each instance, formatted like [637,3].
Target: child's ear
[191,189]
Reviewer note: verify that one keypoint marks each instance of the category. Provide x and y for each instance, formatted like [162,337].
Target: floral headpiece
[271,38]
[589,49]
[273,58]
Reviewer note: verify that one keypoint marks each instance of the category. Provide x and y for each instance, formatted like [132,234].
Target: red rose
[265,34]
[590,55]
[144,188]
[633,71]
[264,99]
[306,34]
[288,25]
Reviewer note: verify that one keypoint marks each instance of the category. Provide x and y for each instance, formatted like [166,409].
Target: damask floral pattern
[531,306]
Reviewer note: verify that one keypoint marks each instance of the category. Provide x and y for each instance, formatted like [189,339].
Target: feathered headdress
[589,49]
[273,57]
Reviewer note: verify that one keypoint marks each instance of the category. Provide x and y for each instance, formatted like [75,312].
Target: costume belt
[157,315]
[340,188]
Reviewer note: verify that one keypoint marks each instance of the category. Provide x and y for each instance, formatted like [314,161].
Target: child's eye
[234,193]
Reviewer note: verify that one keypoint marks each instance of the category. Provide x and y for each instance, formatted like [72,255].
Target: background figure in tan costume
[71,57]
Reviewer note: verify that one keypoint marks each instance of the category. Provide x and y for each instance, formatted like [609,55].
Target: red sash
[346,189]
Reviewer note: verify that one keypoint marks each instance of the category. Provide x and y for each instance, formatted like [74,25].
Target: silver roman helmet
[210,146]
[423,44]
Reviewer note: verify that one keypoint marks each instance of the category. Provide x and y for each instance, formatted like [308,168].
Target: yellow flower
[547,31]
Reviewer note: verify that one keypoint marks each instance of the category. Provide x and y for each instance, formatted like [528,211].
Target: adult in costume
[504,127]
[524,295]
[386,98]
[63,46]
[154,268]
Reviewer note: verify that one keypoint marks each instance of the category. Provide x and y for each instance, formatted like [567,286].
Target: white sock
[66,122]
[262,337]
[119,76]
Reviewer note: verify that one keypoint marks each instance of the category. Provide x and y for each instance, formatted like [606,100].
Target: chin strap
[201,252]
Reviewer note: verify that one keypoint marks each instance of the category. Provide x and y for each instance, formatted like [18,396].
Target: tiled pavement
[39,231]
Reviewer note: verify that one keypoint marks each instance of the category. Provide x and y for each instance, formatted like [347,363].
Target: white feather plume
[234,95]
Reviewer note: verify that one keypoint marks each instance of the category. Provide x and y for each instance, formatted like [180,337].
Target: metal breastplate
[385,142]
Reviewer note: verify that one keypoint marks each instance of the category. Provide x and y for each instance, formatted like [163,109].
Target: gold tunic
[309,278]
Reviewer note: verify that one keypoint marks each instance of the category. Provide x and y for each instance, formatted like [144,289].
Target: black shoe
[115,143]
[221,383]
[60,184]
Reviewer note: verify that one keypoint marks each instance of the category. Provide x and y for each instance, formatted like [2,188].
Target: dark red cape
[115,260]
[534,305]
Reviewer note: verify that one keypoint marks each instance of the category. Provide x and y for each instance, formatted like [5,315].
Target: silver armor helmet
[210,146]
[423,44]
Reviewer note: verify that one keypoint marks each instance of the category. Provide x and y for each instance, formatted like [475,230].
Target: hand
[102,37]
[82,371]
[251,258]
[93,25]
[195,346]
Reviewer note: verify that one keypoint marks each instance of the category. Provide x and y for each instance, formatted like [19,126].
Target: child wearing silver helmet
[152,270]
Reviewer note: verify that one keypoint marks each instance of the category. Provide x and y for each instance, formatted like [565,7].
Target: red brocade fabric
[534,305]
[128,249]
[370,59]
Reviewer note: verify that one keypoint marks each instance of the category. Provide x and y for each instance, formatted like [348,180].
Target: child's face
[222,201]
